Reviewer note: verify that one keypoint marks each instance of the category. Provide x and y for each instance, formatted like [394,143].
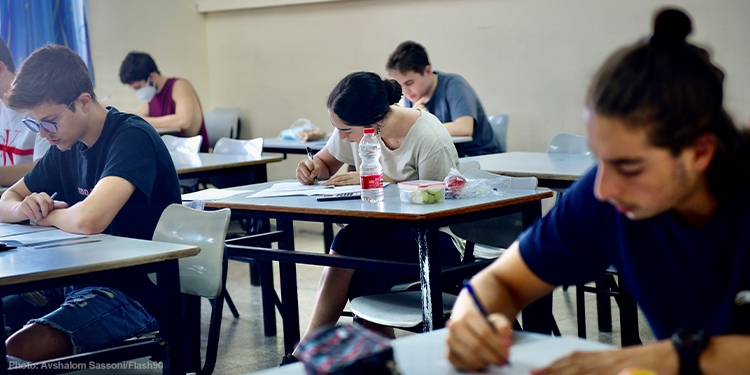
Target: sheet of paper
[307,190]
[212,194]
[525,356]
[40,238]
[16,229]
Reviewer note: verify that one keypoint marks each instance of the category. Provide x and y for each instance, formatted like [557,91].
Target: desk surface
[564,167]
[390,208]
[425,354]
[192,163]
[25,264]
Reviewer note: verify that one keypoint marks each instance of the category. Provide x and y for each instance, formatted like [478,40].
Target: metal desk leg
[168,278]
[288,279]
[537,317]
[429,270]
[268,295]
[327,236]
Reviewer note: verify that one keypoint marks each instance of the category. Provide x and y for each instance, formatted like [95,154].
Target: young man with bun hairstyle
[111,173]
[448,96]
[666,204]
[169,102]
[20,148]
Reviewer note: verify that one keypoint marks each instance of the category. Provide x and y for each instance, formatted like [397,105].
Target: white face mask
[146,93]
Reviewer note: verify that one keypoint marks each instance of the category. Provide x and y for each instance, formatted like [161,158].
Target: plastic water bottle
[370,172]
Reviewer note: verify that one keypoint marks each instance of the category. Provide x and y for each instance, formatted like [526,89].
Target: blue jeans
[92,316]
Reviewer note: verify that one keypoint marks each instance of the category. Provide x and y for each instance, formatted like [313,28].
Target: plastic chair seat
[400,310]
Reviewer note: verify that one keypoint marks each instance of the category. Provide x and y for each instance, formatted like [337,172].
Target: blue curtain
[26,25]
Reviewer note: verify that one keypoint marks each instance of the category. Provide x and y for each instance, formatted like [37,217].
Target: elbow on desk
[89,226]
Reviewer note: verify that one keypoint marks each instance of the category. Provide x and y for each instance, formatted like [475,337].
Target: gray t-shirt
[454,98]
[427,153]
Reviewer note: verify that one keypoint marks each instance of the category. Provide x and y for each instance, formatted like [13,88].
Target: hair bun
[672,26]
[393,90]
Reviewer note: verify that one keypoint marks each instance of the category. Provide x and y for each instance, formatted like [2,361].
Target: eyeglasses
[48,126]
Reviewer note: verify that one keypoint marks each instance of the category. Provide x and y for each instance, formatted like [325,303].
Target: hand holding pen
[478,304]
[312,159]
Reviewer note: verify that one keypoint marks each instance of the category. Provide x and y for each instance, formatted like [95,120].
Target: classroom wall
[531,59]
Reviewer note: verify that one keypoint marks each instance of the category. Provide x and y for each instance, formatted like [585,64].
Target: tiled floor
[244,349]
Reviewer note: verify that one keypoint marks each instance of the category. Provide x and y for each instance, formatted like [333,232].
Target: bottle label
[373,181]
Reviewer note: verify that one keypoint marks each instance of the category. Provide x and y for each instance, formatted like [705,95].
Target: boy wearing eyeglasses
[110,173]
[20,148]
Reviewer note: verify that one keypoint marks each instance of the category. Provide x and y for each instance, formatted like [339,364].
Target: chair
[191,145]
[228,146]
[499,124]
[203,275]
[402,308]
[222,123]
[184,145]
[564,143]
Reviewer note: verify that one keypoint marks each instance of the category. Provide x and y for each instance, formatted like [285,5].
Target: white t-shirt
[427,153]
[18,144]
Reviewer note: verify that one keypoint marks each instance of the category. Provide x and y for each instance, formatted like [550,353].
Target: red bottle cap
[369,130]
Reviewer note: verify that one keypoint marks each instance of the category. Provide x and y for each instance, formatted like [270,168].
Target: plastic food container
[422,191]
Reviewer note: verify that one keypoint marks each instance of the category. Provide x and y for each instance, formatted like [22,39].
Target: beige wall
[531,59]
[171,31]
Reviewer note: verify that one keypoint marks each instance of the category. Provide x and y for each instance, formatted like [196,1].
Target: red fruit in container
[455,183]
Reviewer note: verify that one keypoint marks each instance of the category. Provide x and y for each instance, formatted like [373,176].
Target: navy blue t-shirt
[129,148]
[681,277]
[454,98]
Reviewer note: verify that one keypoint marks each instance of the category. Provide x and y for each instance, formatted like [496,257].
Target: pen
[310,156]
[469,289]
[52,197]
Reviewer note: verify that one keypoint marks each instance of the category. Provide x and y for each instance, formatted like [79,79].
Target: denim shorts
[92,316]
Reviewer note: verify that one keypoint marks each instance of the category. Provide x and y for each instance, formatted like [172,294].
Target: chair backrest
[520,183]
[221,123]
[499,124]
[250,147]
[200,275]
[497,231]
[564,143]
[465,165]
[188,145]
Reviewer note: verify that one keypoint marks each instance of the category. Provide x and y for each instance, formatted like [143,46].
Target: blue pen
[310,156]
[469,289]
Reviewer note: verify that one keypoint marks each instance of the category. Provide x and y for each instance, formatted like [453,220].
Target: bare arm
[96,212]
[461,127]
[322,167]
[10,174]
[143,111]
[19,204]
[187,109]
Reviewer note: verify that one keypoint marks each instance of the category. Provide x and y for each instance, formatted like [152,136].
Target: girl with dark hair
[663,205]
[414,145]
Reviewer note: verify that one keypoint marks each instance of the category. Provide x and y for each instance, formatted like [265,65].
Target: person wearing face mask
[170,102]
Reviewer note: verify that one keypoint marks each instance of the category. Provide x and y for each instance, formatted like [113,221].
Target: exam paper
[40,238]
[285,189]
[212,194]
